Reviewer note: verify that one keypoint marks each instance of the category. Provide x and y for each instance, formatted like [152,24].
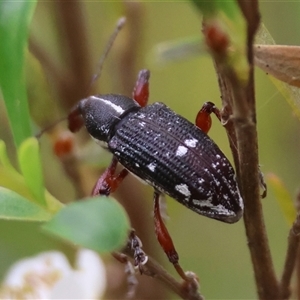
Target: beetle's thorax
[101,113]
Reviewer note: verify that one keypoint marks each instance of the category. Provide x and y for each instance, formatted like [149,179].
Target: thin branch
[239,101]
[155,270]
[266,281]
[243,131]
[292,255]
[291,258]
[298,276]
[251,13]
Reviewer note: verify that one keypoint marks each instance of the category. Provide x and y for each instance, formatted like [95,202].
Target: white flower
[50,276]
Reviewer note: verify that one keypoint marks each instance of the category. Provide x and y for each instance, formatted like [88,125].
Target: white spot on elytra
[181,150]
[219,209]
[191,142]
[117,108]
[201,180]
[222,210]
[183,189]
[151,167]
[203,203]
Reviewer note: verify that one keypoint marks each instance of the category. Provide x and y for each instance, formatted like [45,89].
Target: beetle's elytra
[167,151]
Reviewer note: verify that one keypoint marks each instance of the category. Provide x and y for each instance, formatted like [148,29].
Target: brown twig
[266,281]
[298,276]
[251,13]
[155,270]
[239,101]
[243,129]
[291,258]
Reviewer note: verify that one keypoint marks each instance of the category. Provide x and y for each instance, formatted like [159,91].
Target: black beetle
[165,150]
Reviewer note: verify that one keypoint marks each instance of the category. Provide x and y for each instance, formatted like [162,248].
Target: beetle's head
[99,114]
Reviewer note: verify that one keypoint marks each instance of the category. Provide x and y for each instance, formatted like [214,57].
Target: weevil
[166,151]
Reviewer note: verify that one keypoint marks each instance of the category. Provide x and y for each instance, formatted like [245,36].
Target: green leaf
[283,197]
[9,177]
[13,180]
[15,207]
[14,19]
[30,164]
[98,223]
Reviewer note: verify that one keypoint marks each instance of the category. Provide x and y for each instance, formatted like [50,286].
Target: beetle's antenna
[121,22]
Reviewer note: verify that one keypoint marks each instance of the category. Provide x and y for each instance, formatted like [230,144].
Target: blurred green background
[217,252]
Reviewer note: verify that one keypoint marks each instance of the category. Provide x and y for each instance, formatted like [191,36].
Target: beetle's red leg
[141,90]
[165,239]
[108,182]
[203,119]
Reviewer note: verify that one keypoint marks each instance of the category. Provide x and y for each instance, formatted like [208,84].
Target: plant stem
[291,259]
[266,281]
[291,256]
[155,270]
[239,102]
